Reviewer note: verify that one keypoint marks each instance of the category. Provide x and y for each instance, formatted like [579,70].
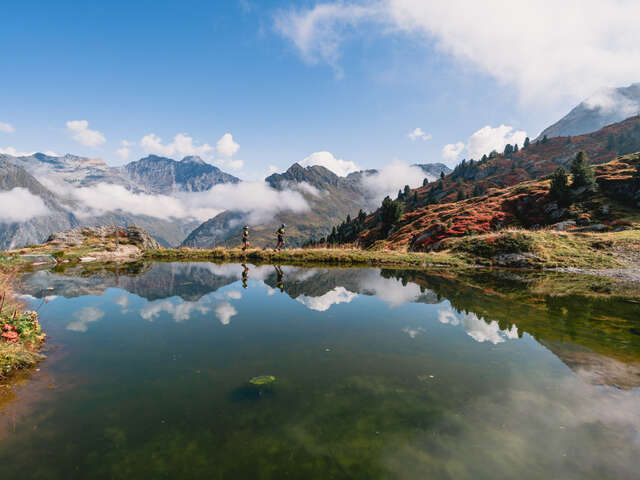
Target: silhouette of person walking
[245,276]
[280,277]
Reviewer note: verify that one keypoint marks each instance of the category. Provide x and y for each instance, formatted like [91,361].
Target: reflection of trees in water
[594,334]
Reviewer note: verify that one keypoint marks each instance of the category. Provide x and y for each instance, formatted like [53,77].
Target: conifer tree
[441,174]
[390,212]
[582,171]
[559,189]
[527,142]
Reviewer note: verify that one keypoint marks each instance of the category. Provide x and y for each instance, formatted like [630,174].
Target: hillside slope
[510,190]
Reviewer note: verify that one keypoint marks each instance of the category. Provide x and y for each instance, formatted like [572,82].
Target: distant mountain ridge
[334,198]
[161,175]
[604,108]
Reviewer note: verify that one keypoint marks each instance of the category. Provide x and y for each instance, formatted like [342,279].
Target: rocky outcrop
[104,235]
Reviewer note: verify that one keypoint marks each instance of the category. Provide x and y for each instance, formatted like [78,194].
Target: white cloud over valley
[391,178]
[20,205]
[257,199]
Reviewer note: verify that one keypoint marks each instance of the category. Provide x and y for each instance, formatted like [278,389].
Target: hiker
[280,276]
[245,275]
[280,234]
[245,238]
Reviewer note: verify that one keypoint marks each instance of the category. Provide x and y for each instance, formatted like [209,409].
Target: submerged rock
[262,380]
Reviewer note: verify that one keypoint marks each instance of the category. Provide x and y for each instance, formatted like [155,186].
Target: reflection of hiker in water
[280,234]
[245,237]
[280,275]
[245,275]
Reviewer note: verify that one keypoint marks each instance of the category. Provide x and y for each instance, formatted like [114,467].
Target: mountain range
[66,182]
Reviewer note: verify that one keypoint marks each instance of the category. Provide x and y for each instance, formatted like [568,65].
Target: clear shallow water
[380,374]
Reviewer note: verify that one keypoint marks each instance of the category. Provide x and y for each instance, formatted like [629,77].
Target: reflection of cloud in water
[123,302]
[324,302]
[477,328]
[413,332]
[389,290]
[180,310]
[85,316]
[569,430]
[224,312]
[234,294]
[447,316]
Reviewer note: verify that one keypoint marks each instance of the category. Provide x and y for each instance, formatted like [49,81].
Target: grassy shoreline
[20,334]
[543,249]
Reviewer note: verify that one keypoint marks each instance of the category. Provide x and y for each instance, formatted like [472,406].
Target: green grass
[553,249]
[306,256]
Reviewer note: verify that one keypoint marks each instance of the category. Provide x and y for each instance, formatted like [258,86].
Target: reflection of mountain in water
[189,281]
[596,336]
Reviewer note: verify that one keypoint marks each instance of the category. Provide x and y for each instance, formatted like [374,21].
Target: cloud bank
[391,178]
[257,199]
[19,205]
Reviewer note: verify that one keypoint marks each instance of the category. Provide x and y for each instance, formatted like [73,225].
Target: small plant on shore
[488,246]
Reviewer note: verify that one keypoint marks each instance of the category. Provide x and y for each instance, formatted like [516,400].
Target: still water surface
[380,374]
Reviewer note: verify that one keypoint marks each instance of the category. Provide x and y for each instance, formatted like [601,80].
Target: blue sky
[287,79]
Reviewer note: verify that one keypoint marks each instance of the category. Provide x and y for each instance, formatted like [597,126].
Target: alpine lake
[229,371]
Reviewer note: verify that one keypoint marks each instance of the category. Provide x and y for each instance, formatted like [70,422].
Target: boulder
[516,260]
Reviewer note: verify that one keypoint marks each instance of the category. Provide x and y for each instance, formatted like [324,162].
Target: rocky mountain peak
[193,159]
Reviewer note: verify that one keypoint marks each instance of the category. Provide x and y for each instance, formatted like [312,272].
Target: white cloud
[391,178]
[182,146]
[489,138]
[451,151]
[224,312]
[545,49]
[418,133]
[83,317]
[338,166]
[257,199]
[324,302]
[6,127]
[610,101]
[19,205]
[82,134]
[124,151]
[318,32]
[226,146]
[14,153]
